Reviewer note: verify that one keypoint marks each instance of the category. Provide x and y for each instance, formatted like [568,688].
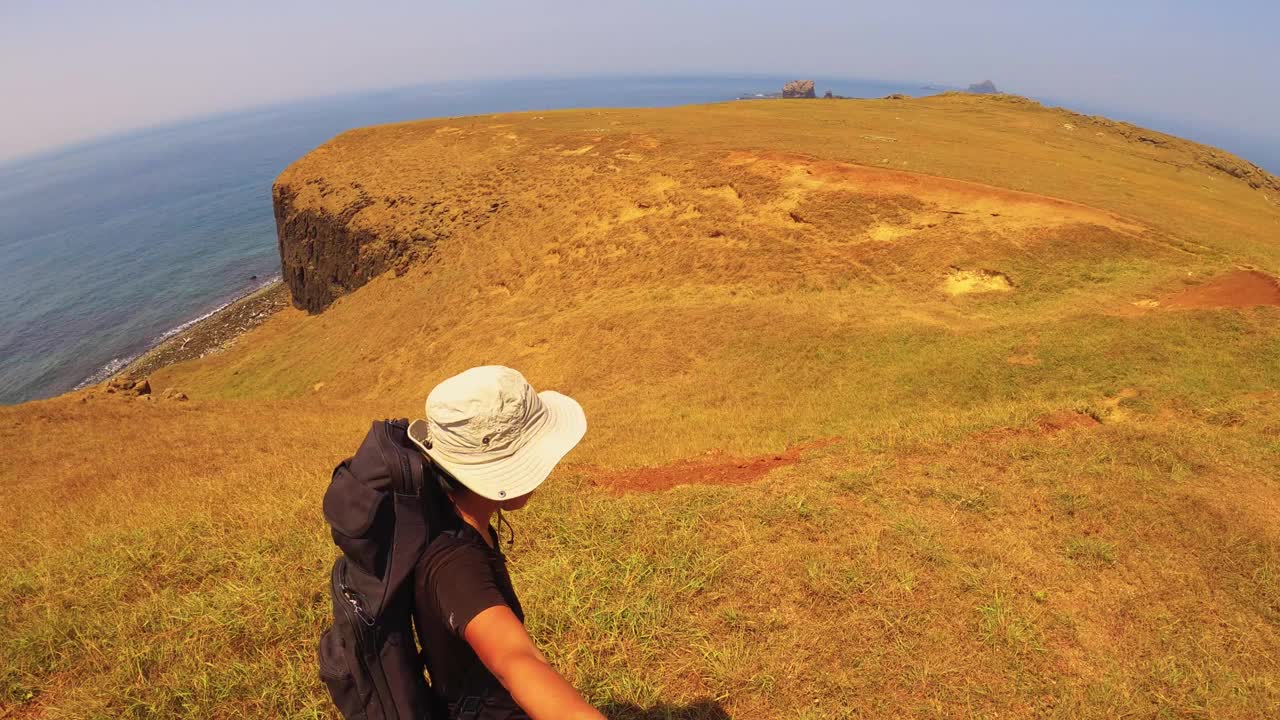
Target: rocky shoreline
[211,334]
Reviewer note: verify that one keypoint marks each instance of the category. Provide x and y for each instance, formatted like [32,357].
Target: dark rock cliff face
[322,257]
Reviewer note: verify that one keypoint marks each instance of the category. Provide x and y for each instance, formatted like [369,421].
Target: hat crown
[484,411]
[490,431]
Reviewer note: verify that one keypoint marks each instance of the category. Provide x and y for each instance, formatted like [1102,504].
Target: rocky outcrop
[1179,152]
[127,385]
[1229,164]
[325,255]
[986,87]
[799,89]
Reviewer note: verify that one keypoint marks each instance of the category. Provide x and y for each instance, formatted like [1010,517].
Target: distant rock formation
[799,89]
[828,96]
[897,96]
[986,87]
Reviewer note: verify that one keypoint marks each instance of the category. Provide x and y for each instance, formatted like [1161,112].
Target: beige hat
[490,430]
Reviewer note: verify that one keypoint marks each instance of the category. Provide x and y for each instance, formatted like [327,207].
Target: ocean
[110,246]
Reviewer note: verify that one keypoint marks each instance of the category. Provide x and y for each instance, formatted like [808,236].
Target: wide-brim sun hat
[488,429]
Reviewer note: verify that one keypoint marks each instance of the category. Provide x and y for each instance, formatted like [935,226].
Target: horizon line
[187,121]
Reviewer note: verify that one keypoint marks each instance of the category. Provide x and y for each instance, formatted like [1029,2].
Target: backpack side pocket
[335,672]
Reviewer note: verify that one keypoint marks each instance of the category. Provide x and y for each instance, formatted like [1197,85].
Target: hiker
[490,440]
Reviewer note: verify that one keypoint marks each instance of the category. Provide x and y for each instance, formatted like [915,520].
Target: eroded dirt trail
[714,468]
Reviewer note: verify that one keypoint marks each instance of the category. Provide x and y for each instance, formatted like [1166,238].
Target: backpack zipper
[339,576]
[402,463]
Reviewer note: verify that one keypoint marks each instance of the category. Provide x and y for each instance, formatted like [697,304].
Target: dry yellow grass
[741,277]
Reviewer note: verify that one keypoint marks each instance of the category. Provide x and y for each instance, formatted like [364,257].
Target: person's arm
[502,644]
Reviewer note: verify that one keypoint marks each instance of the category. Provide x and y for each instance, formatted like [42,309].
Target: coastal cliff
[383,199]
[321,256]
[341,223]
[325,254]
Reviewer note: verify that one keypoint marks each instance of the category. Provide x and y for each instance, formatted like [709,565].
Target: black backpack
[379,507]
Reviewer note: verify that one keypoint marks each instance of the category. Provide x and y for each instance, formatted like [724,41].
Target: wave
[271,280]
[106,371]
[115,365]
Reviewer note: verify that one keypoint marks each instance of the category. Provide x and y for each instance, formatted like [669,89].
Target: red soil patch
[1047,425]
[1065,420]
[1238,289]
[714,468]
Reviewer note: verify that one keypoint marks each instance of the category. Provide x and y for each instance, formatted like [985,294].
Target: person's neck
[476,511]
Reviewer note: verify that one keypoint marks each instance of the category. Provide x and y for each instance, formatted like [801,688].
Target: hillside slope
[956,406]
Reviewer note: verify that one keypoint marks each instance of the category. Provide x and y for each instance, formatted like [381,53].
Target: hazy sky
[75,69]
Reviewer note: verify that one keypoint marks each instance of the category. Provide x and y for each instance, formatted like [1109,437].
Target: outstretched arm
[502,644]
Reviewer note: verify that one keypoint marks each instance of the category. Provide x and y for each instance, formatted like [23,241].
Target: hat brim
[523,471]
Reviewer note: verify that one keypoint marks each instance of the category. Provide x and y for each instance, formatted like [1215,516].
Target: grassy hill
[956,406]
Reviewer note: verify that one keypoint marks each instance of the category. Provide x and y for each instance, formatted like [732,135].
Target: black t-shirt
[458,577]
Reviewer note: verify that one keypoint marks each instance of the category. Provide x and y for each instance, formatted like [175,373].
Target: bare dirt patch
[963,282]
[713,468]
[1066,420]
[1115,410]
[1050,424]
[1237,289]
[976,202]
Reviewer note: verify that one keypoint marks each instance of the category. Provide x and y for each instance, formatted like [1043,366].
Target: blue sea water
[106,247]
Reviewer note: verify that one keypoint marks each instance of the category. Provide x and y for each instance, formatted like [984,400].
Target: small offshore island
[806,89]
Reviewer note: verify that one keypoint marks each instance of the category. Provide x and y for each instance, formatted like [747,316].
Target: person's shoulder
[450,549]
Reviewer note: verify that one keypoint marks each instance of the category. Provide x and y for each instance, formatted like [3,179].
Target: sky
[72,70]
